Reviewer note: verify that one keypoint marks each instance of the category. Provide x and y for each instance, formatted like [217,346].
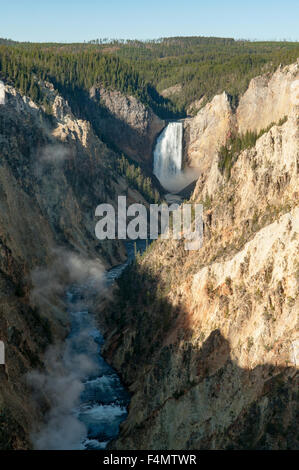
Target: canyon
[204,341]
[209,343]
[51,182]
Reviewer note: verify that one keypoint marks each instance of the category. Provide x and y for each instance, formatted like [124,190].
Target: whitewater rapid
[104,400]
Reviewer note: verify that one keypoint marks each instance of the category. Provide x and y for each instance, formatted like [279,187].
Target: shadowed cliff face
[212,366]
[51,177]
[123,122]
[217,405]
[54,171]
[193,387]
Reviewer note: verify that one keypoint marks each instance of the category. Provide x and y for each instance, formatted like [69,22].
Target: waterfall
[168,155]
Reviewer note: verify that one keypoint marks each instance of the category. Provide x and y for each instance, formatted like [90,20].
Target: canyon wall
[125,122]
[208,340]
[207,131]
[268,99]
[54,172]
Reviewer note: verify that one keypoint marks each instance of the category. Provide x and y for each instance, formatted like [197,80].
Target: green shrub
[229,153]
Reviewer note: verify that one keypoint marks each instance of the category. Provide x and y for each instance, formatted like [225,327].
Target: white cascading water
[168,155]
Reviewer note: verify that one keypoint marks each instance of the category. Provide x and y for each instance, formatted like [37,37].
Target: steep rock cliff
[54,172]
[268,99]
[207,131]
[207,343]
[126,123]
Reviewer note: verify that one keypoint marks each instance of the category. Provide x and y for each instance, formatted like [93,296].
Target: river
[104,400]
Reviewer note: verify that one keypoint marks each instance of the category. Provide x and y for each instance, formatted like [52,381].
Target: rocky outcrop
[126,123]
[172,90]
[195,106]
[2,93]
[208,345]
[207,131]
[268,99]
